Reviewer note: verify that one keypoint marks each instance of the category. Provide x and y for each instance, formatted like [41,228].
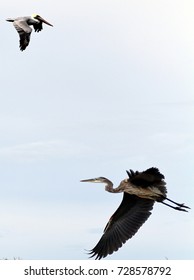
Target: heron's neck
[109,188]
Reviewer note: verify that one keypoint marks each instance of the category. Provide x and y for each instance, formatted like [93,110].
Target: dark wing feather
[24,32]
[38,27]
[24,40]
[146,178]
[124,223]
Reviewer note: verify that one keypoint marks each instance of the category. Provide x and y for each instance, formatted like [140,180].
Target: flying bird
[22,25]
[140,191]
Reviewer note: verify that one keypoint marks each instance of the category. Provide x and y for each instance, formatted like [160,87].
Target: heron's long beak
[90,180]
[43,20]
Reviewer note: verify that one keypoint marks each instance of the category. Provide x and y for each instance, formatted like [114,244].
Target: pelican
[140,191]
[22,25]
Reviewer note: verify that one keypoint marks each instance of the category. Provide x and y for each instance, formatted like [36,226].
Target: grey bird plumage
[140,191]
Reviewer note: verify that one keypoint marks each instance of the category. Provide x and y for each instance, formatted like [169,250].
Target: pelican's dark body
[140,191]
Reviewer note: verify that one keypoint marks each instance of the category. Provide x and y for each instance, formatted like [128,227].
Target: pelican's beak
[43,20]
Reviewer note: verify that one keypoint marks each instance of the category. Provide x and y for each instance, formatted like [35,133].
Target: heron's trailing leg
[179,204]
[176,208]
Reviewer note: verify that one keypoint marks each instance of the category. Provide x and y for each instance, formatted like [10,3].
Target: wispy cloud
[41,150]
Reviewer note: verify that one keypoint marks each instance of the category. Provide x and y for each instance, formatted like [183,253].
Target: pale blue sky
[108,88]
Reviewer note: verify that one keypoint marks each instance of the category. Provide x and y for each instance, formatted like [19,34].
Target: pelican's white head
[34,16]
[38,18]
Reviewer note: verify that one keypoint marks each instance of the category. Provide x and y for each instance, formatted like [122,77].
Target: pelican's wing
[24,31]
[124,223]
[38,26]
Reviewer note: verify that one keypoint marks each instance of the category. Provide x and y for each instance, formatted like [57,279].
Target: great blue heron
[22,25]
[140,190]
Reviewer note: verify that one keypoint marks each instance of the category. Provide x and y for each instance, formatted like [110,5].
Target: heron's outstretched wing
[24,31]
[124,223]
[146,178]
